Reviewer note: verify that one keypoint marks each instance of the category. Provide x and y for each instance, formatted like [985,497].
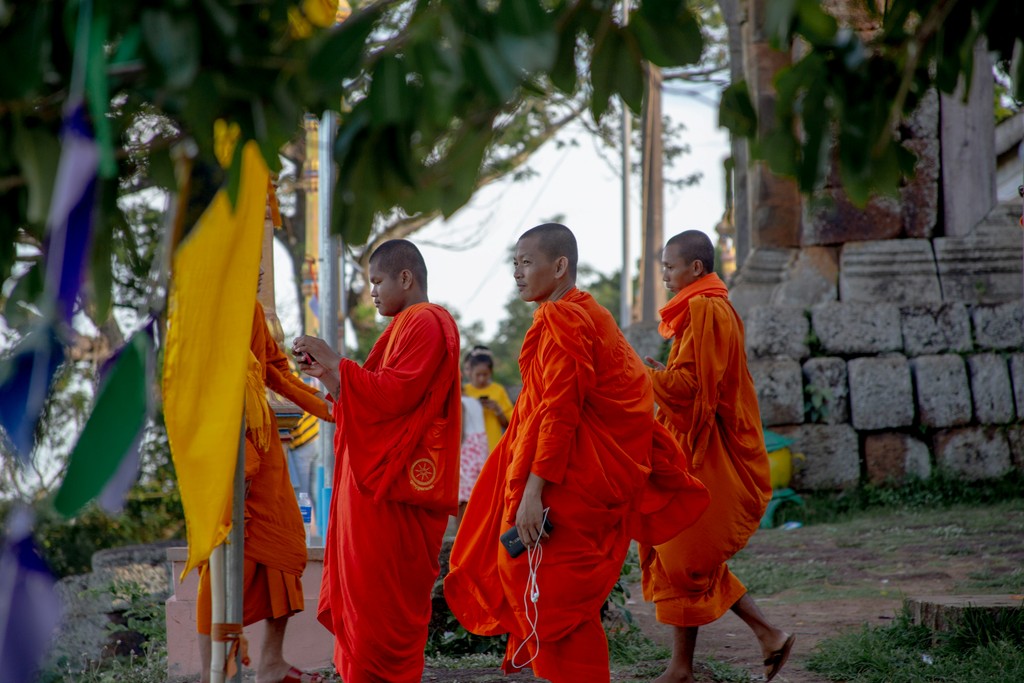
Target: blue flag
[30,609]
[25,378]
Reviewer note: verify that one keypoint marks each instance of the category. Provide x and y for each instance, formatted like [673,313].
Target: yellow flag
[207,351]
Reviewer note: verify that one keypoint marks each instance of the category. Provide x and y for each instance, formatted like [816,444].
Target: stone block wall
[876,392]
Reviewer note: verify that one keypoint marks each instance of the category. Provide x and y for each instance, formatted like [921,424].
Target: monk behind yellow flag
[207,351]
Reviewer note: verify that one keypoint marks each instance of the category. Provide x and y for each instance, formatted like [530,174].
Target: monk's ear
[561,266]
[405,278]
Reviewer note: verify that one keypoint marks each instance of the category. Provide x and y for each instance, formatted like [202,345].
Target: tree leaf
[816,25]
[736,111]
[26,47]
[524,18]
[604,62]
[38,153]
[483,65]
[462,164]
[1017,69]
[390,98]
[336,54]
[667,32]
[563,72]
[172,40]
[629,73]
[27,290]
[779,17]
[101,264]
[528,55]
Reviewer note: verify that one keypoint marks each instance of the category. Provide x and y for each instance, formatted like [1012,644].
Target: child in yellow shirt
[479,366]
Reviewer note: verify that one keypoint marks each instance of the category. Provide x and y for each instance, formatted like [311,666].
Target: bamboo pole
[217,612]
[235,574]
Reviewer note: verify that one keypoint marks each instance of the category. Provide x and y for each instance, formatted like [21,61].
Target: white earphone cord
[531,596]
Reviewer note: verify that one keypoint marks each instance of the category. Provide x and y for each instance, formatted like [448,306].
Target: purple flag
[30,609]
[69,225]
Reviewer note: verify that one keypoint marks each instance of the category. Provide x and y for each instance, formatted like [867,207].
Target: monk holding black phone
[581,469]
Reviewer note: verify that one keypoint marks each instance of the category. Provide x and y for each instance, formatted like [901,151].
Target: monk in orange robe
[706,398]
[275,540]
[396,475]
[583,451]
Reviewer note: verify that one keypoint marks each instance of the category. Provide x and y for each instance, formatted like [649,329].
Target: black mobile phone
[513,544]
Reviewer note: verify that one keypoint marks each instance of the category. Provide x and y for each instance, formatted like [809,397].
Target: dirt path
[823,580]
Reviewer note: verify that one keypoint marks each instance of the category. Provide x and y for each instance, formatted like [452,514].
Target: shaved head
[555,240]
[394,256]
[694,245]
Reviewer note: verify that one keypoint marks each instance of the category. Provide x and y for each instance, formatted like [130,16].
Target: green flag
[107,449]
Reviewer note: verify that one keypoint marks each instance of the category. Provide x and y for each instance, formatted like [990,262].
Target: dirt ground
[822,580]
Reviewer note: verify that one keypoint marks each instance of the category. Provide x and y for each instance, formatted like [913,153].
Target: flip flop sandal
[773,663]
[296,675]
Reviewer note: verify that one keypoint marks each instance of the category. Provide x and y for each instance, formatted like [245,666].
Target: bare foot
[287,674]
[675,675]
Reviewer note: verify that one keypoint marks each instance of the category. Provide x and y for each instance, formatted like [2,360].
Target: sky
[573,183]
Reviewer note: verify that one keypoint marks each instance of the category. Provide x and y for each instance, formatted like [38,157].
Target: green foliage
[816,401]
[141,636]
[940,490]
[368,330]
[991,579]
[448,638]
[421,85]
[133,668]
[143,614]
[508,341]
[620,595]
[474,661]
[983,648]
[854,93]
[627,644]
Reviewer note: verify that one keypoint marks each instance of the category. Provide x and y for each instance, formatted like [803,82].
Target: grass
[995,580]
[983,648]
[764,576]
[940,491]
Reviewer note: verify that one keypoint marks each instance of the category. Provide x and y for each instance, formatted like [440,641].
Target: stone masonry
[911,363]
[895,388]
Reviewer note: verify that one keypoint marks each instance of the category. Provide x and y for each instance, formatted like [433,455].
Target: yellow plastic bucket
[781,464]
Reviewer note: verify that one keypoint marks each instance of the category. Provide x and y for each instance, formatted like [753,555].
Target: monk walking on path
[706,398]
[583,452]
[396,476]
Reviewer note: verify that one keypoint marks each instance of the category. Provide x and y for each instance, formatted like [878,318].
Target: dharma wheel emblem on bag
[423,474]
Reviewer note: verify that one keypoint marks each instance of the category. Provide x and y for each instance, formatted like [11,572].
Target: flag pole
[235,575]
[217,612]
[329,296]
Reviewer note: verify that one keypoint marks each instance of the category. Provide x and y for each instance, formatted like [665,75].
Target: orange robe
[275,541]
[381,555]
[583,422]
[706,398]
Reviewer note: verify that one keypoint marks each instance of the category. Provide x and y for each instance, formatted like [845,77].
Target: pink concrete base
[307,644]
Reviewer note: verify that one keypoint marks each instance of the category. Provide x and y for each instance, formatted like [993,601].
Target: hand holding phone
[513,544]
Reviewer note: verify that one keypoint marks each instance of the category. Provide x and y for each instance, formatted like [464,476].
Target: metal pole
[235,560]
[626,281]
[328,284]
